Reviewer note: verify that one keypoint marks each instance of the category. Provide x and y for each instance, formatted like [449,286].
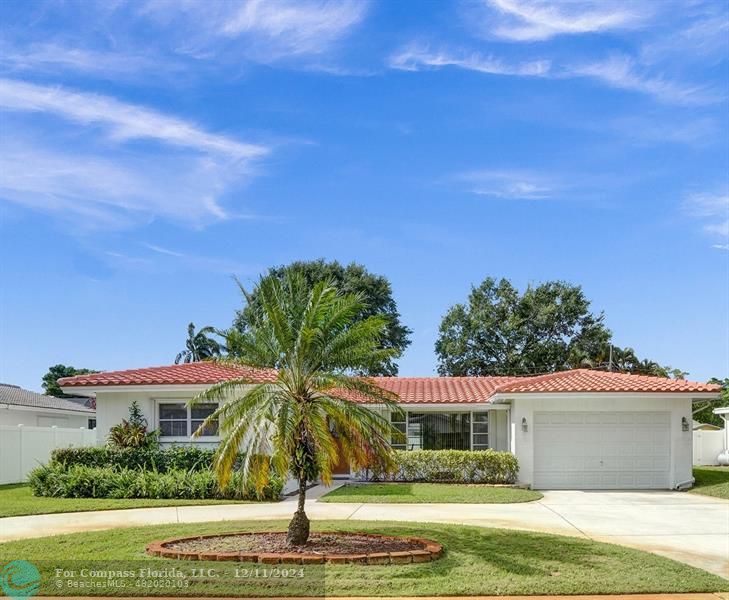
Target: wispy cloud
[712,208]
[114,177]
[50,57]
[508,184]
[536,20]
[419,57]
[620,71]
[259,30]
[123,121]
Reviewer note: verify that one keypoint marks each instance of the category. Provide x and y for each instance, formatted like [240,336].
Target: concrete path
[686,527]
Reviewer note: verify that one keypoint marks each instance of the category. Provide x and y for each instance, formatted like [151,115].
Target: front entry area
[602,450]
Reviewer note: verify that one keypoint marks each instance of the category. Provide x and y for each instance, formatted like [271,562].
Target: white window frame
[182,438]
[471,413]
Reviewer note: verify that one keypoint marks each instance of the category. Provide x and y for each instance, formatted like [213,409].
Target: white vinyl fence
[22,448]
[707,446]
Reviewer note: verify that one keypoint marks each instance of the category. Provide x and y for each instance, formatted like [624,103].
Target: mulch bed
[271,548]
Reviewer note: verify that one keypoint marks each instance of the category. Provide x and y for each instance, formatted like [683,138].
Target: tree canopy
[374,291]
[704,411]
[56,372]
[549,327]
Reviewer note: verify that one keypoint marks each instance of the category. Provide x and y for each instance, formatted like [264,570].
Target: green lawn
[712,481]
[477,561]
[17,499]
[393,493]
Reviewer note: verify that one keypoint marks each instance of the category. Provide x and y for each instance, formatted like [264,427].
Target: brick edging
[429,550]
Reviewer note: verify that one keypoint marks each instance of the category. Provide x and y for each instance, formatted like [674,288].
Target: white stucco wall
[17,415]
[522,443]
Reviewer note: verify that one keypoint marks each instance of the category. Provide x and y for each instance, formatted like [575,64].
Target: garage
[602,450]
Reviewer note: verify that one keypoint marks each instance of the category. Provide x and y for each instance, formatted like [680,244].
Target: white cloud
[49,57]
[509,184]
[81,157]
[536,20]
[713,209]
[265,31]
[721,247]
[417,58]
[621,72]
[123,121]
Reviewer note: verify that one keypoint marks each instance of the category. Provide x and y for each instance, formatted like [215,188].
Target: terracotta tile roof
[442,390]
[183,374]
[585,380]
[411,390]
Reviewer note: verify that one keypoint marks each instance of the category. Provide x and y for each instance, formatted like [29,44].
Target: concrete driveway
[686,527]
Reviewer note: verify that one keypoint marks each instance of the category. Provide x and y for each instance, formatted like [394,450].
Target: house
[23,407]
[704,426]
[576,429]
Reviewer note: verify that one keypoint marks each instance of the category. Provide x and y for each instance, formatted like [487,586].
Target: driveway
[686,527]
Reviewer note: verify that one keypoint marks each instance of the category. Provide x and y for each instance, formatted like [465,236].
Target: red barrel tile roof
[411,390]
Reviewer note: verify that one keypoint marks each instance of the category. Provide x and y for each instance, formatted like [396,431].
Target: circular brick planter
[427,550]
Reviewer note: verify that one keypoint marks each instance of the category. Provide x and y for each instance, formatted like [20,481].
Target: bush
[81,481]
[132,432]
[450,466]
[186,458]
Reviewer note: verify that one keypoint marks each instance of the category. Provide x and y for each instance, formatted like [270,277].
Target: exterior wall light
[524,426]
[684,424]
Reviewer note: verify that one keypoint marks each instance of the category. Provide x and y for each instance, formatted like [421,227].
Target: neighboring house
[23,407]
[576,429]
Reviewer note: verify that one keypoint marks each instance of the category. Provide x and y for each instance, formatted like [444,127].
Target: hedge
[450,466]
[80,481]
[187,458]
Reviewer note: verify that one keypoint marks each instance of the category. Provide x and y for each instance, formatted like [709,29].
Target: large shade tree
[549,327]
[374,290]
[56,372]
[300,421]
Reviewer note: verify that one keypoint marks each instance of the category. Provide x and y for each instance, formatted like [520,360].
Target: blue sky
[151,149]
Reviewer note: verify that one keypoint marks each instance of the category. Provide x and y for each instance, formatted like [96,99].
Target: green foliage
[374,291]
[548,328]
[199,345]
[704,411]
[56,372]
[81,481]
[186,458]
[305,420]
[132,432]
[452,466]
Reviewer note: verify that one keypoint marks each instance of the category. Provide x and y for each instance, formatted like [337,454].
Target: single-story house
[23,407]
[578,429]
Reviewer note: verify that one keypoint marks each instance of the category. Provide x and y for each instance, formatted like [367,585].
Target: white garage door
[602,450]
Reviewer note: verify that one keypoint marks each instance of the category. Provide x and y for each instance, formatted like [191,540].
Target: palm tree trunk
[298,533]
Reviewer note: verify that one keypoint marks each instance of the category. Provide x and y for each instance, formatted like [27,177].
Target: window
[480,431]
[399,422]
[176,419]
[439,431]
[91,424]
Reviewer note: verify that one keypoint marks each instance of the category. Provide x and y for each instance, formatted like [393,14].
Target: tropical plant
[199,345]
[132,432]
[301,420]
[703,411]
[353,278]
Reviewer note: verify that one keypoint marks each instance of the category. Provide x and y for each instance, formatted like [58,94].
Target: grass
[394,493]
[477,561]
[712,481]
[17,499]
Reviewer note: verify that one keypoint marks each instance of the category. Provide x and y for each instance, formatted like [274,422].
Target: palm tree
[302,419]
[198,345]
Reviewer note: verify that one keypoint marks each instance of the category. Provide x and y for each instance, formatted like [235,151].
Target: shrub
[187,458]
[81,481]
[450,466]
[132,432]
